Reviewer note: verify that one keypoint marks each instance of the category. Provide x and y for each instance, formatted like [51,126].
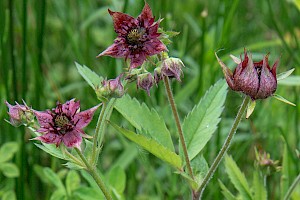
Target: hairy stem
[225,146]
[93,172]
[180,132]
[97,132]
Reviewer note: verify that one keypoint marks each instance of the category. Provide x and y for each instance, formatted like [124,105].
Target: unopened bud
[20,114]
[145,81]
[172,68]
[112,88]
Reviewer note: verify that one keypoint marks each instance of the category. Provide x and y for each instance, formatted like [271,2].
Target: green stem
[292,187]
[97,132]
[93,172]
[225,146]
[180,132]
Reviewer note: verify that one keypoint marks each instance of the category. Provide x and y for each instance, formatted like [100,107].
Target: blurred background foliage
[41,40]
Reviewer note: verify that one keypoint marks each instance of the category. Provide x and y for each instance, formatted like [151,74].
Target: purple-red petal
[50,138]
[44,118]
[137,60]
[72,139]
[154,46]
[146,16]
[122,22]
[70,107]
[83,118]
[117,50]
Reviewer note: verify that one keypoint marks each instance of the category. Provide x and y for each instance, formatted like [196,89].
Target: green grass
[41,40]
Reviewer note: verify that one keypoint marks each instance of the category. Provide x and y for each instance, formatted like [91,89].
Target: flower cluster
[137,39]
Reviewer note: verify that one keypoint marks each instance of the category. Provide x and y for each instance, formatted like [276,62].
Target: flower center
[61,121]
[135,35]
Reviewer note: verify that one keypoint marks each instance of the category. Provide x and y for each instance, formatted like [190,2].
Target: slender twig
[292,187]
[97,132]
[225,146]
[180,132]
[93,172]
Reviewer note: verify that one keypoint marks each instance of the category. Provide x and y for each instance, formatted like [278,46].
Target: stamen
[135,35]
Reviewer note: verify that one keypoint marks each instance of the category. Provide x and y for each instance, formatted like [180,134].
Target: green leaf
[152,146]
[201,122]
[282,99]
[54,179]
[9,195]
[51,149]
[10,170]
[227,194]
[8,150]
[72,181]
[117,179]
[284,75]
[290,81]
[237,178]
[142,118]
[260,192]
[88,193]
[89,76]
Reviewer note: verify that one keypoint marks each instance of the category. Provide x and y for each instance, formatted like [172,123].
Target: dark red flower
[64,124]
[255,79]
[137,37]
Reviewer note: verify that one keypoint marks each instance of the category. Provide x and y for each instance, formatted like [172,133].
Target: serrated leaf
[72,181]
[227,194]
[142,118]
[282,99]
[290,81]
[10,170]
[53,178]
[260,192]
[201,122]
[89,76]
[152,146]
[237,178]
[284,75]
[117,179]
[8,150]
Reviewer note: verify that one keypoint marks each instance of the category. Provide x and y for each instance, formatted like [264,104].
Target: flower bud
[112,88]
[20,114]
[255,79]
[171,67]
[145,81]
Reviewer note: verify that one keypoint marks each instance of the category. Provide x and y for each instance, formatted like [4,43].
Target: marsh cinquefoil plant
[140,40]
